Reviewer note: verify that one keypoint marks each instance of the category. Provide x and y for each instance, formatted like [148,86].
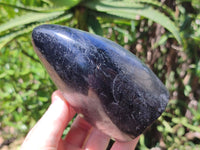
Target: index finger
[48,130]
[125,145]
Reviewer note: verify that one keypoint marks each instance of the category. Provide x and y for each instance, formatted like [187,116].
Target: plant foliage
[164,34]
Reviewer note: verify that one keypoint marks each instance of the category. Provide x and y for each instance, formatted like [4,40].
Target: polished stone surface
[110,86]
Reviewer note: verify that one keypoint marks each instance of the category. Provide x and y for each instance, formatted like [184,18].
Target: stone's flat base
[109,85]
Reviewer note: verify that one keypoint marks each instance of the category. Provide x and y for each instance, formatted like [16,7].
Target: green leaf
[9,37]
[38,9]
[142,142]
[69,3]
[28,18]
[94,26]
[187,90]
[43,99]
[167,126]
[124,32]
[3,75]
[181,131]
[130,10]
[158,5]
[185,123]
[161,41]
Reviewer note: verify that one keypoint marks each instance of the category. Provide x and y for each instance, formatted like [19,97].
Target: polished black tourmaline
[110,86]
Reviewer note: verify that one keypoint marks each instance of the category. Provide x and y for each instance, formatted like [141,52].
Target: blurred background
[164,34]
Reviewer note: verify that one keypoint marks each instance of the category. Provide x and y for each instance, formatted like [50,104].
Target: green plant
[165,35]
[85,11]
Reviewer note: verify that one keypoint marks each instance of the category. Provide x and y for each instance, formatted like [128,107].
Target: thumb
[48,131]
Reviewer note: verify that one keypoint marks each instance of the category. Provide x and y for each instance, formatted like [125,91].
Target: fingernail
[57,99]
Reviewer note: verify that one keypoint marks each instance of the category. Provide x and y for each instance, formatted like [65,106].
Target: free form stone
[110,86]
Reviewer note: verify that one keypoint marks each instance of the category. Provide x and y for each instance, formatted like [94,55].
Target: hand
[46,134]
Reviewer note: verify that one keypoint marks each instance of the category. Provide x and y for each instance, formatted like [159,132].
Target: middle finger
[78,132]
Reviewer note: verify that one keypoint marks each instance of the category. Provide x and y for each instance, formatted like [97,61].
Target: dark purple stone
[110,86]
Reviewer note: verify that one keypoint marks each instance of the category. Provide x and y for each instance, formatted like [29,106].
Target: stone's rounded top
[110,86]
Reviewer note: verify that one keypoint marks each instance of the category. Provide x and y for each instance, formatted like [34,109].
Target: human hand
[47,133]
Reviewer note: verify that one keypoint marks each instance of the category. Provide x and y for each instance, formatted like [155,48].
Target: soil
[11,144]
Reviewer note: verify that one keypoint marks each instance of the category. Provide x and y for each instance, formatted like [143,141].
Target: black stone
[110,86]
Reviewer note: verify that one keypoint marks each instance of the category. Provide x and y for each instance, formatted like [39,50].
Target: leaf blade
[28,18]
[129,10]
[9,37]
